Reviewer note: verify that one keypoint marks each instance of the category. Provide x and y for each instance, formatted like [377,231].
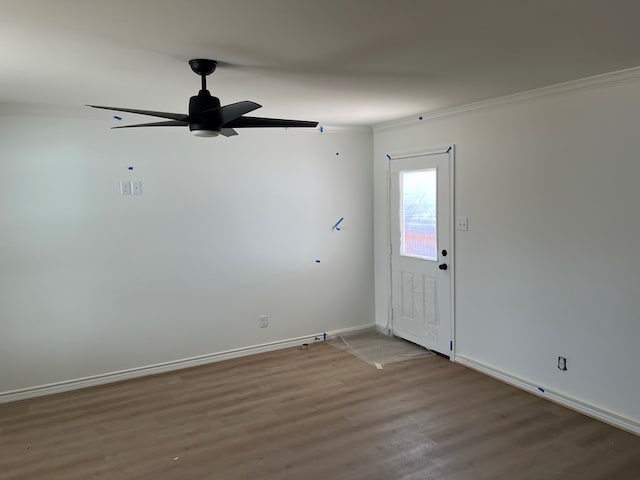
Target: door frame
[449,150]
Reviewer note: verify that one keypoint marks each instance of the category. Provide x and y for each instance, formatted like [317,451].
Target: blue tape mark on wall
[337,224]
[117,117]
[317,261]
[451,345]
[388,157]
[420,117]
[449,149]
[337,153]
[321,129]
[541,389]
[130,168]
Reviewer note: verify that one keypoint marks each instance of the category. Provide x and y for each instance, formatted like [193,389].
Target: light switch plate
[137,187]
[125,187]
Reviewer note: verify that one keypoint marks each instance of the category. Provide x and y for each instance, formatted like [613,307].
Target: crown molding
[596,81]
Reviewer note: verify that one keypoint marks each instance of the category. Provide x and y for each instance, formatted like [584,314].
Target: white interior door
[421,249]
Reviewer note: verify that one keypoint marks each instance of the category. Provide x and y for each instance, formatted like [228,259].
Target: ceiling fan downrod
[203,67]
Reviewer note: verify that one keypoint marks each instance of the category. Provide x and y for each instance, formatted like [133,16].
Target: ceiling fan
[206,117]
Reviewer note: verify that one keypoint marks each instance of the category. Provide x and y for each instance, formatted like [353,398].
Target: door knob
[443,266]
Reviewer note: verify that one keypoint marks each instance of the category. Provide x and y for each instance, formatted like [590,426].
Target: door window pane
[418,214]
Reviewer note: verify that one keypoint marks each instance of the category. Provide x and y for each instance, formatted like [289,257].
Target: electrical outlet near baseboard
[263,321]
[562,363]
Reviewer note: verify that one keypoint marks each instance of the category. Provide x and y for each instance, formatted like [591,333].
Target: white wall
[550,264]
[226,229]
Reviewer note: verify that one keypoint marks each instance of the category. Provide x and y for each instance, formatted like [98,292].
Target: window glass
[418,214]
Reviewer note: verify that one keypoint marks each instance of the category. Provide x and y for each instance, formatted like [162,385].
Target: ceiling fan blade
[168,123]
[258,122]
[228,132]
[173,116]
[235,110]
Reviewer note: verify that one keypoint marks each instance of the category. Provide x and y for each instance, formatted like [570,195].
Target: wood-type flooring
[315,414]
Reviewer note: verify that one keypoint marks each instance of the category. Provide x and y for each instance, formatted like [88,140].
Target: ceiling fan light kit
[207,118]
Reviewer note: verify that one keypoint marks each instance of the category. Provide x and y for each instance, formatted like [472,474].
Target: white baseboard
[101,379]
[577,405]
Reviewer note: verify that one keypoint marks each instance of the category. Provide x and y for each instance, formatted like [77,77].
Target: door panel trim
[437,150]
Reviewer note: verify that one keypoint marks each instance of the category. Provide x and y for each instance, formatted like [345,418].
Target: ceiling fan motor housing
[204,113]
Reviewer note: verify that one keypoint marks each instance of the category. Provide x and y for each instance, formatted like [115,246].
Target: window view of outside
[419,214]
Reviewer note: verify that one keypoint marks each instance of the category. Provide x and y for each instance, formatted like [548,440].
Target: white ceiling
[353,62]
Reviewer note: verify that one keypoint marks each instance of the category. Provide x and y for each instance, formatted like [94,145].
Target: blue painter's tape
[449,149]
[130,168]
[117,117]
[451,345]
[324,336]
[541,389]
[321,129]
[388,157]
[317,261]
[335,227]
[420,117]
